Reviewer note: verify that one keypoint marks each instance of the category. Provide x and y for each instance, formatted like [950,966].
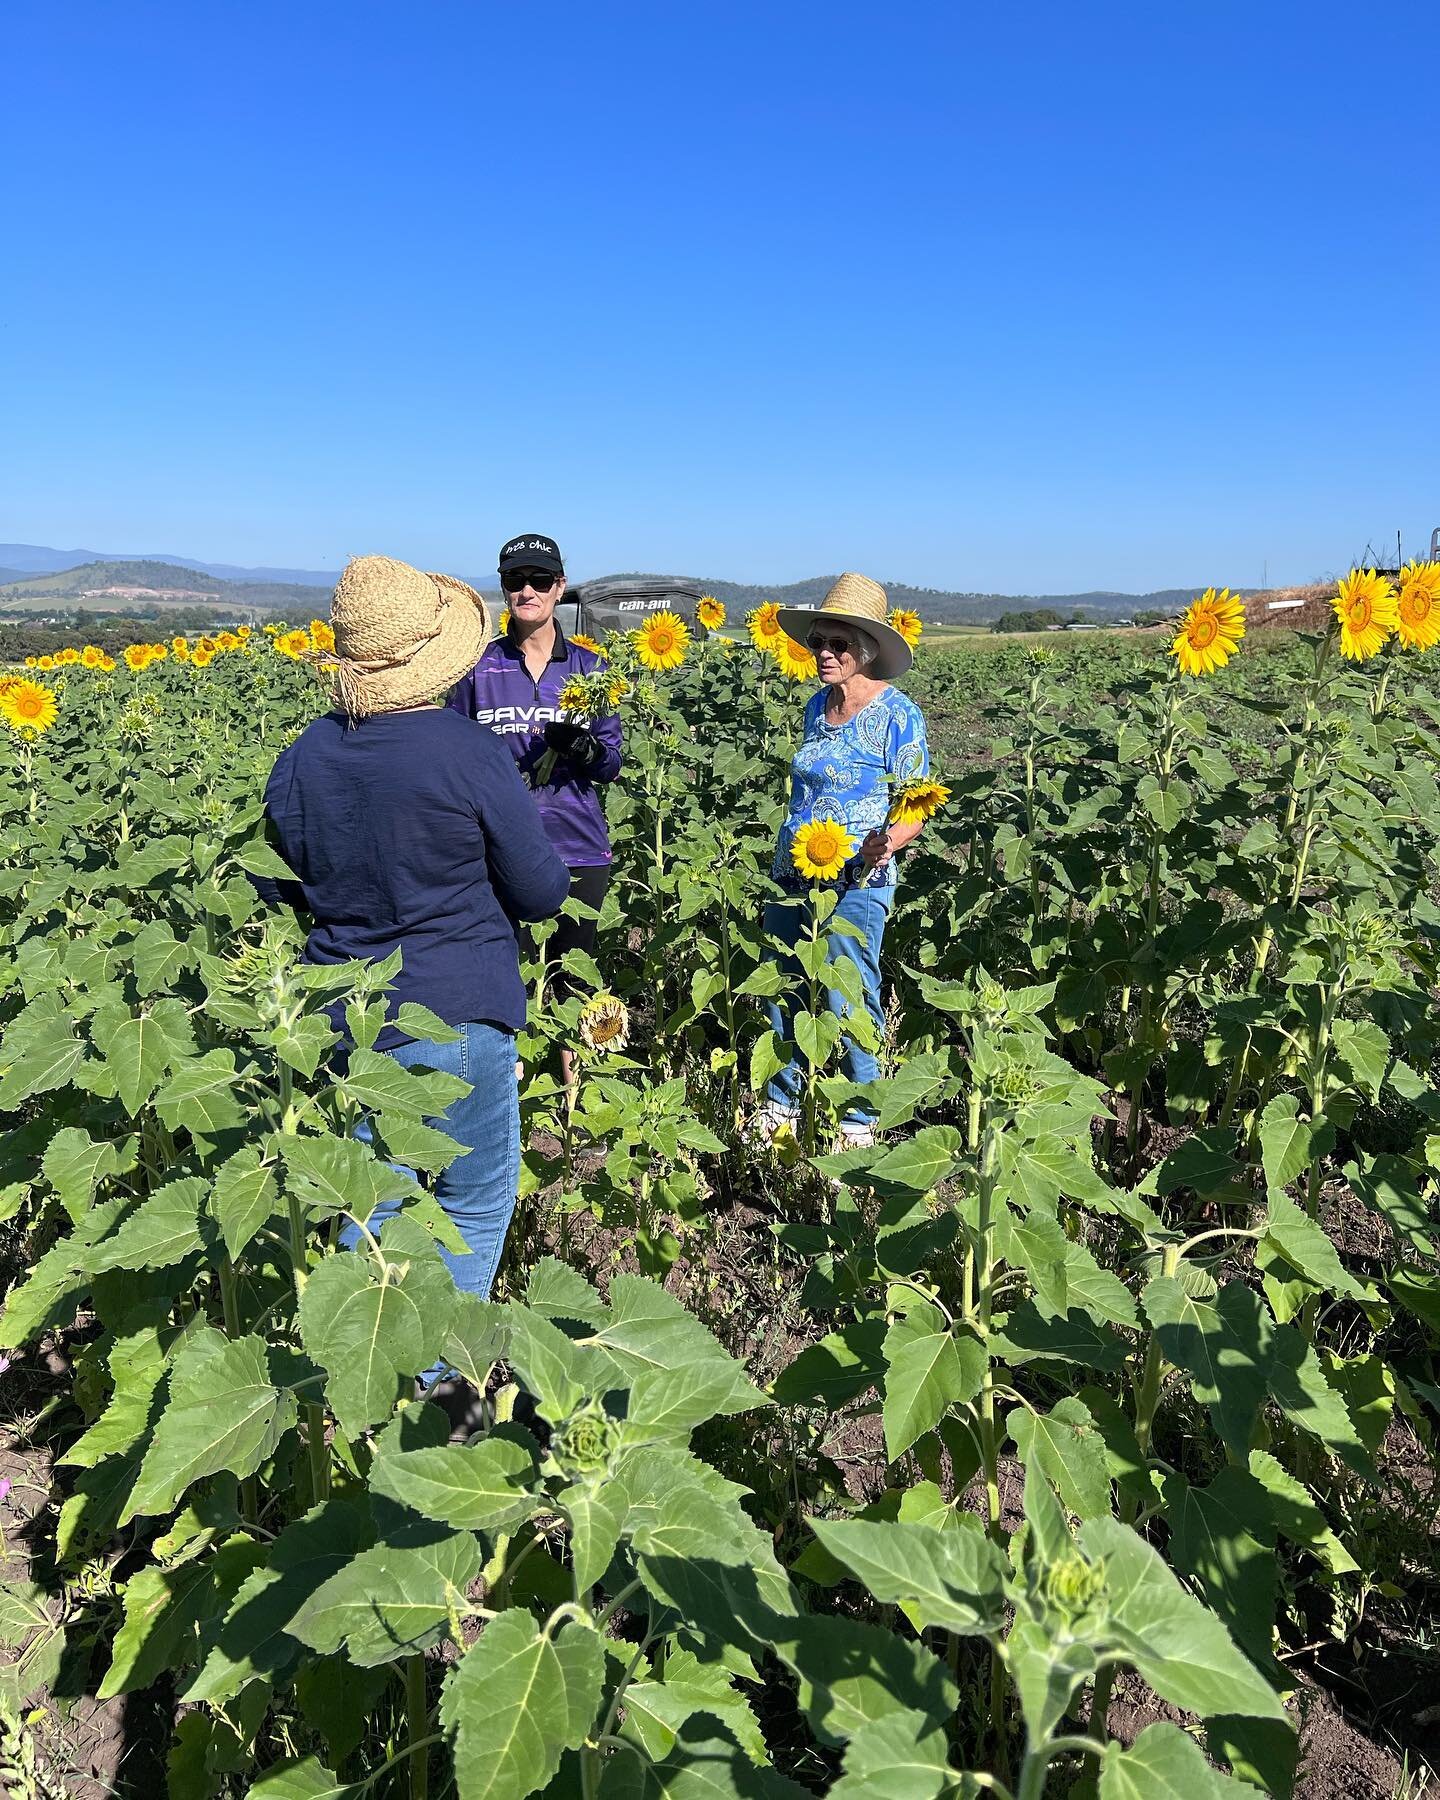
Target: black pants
[589,885]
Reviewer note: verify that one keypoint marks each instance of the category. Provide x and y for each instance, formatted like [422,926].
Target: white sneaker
[770,1120]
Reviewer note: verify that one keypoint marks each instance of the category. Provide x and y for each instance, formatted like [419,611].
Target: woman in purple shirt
[514,690]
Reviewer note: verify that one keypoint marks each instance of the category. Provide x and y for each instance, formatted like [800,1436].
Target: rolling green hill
[143,587]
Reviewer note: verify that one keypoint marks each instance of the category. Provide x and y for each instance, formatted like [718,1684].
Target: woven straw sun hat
[855,600]
[401,636]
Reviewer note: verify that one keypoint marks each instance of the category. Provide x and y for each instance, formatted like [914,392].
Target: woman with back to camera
[861,737]
[514,690]
[409,831]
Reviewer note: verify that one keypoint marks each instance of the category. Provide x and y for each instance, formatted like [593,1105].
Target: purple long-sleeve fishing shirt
[501,694]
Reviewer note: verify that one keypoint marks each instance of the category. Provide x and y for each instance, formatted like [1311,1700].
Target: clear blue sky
[1024,298]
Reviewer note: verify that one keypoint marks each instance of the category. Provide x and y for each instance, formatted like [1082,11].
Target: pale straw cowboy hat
[401,636]
[857,601]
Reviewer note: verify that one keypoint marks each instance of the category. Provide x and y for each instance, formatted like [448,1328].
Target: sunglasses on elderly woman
[841,646]
[514,581]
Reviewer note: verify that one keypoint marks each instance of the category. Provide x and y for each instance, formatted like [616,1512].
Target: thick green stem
[417,1717]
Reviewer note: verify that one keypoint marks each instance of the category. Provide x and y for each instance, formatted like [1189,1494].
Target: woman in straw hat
[409,830]
[861,735]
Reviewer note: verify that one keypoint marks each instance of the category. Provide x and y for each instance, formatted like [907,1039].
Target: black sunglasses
[515,580]
[842,646]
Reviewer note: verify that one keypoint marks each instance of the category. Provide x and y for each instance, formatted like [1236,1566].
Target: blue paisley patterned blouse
[845,772]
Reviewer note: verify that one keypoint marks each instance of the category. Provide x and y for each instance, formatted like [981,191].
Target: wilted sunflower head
[604,1023]
[821,848]
[1417,606]
[662,640]
[1210,632]
[1365,607]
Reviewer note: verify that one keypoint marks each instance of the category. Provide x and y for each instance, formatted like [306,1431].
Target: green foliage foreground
[1164,968]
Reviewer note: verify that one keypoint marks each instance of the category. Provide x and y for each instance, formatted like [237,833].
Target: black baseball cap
[531,551]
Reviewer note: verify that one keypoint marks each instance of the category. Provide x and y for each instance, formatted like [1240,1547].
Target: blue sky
[1031,298]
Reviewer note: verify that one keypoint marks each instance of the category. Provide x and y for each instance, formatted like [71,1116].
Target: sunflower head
[604,1023]
[575,696]
[45,662]
[1417,606]
[68,657]
[907,623]
[243,633]
[504,624]
[763,625]
[92,656]
[107,664]
[201,657]
[136,656]
[915,801]
[1366,609]
[795,660]
[293,643]
[322,637]
[32,662]
[228,640]
[586,642]
[1210,632]
[618,688]
[821,848]
[29,707]
[710,612]
[661,642]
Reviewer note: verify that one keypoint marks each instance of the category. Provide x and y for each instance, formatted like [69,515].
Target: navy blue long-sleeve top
[414,831]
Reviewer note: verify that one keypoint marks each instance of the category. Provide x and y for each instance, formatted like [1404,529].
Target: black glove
[580,748]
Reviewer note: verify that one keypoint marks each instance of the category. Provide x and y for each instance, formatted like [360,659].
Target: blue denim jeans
[789,920]
[477,1191]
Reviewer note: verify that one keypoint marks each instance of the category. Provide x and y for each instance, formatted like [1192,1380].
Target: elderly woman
[861,737]
[409,830]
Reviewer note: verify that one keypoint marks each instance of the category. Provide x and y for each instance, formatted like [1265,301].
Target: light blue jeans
[477,1191]
[866,909]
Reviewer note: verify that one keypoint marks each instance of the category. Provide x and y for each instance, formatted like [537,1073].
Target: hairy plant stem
[314,1427]
[1166,769]
[989,1443]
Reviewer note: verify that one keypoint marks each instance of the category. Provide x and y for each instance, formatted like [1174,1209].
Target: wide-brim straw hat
[863,603]
[401,636]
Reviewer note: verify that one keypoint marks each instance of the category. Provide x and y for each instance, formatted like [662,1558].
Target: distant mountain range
[34,577]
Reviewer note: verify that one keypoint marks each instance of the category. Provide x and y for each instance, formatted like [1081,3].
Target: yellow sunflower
[181,647]
[619,687]
[1210,632]
[662,641]
[321,635]
[907,623]
[504,624]
[68,657]
[293,643]
[158,652]
[29,706]
[201,657]
[107,664]
[45,662]
[604,1023]
[586,642]
[1365,607]
[916,801]
[575,696]
[1417,606]
[32,662]
[228,640]
[136,656]
[796,660]
[764,625]
[821,849]
[208,644]
[92,656]
[710,612]
[243,633]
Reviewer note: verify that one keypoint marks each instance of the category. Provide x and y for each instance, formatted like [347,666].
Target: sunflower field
[1075,1438]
